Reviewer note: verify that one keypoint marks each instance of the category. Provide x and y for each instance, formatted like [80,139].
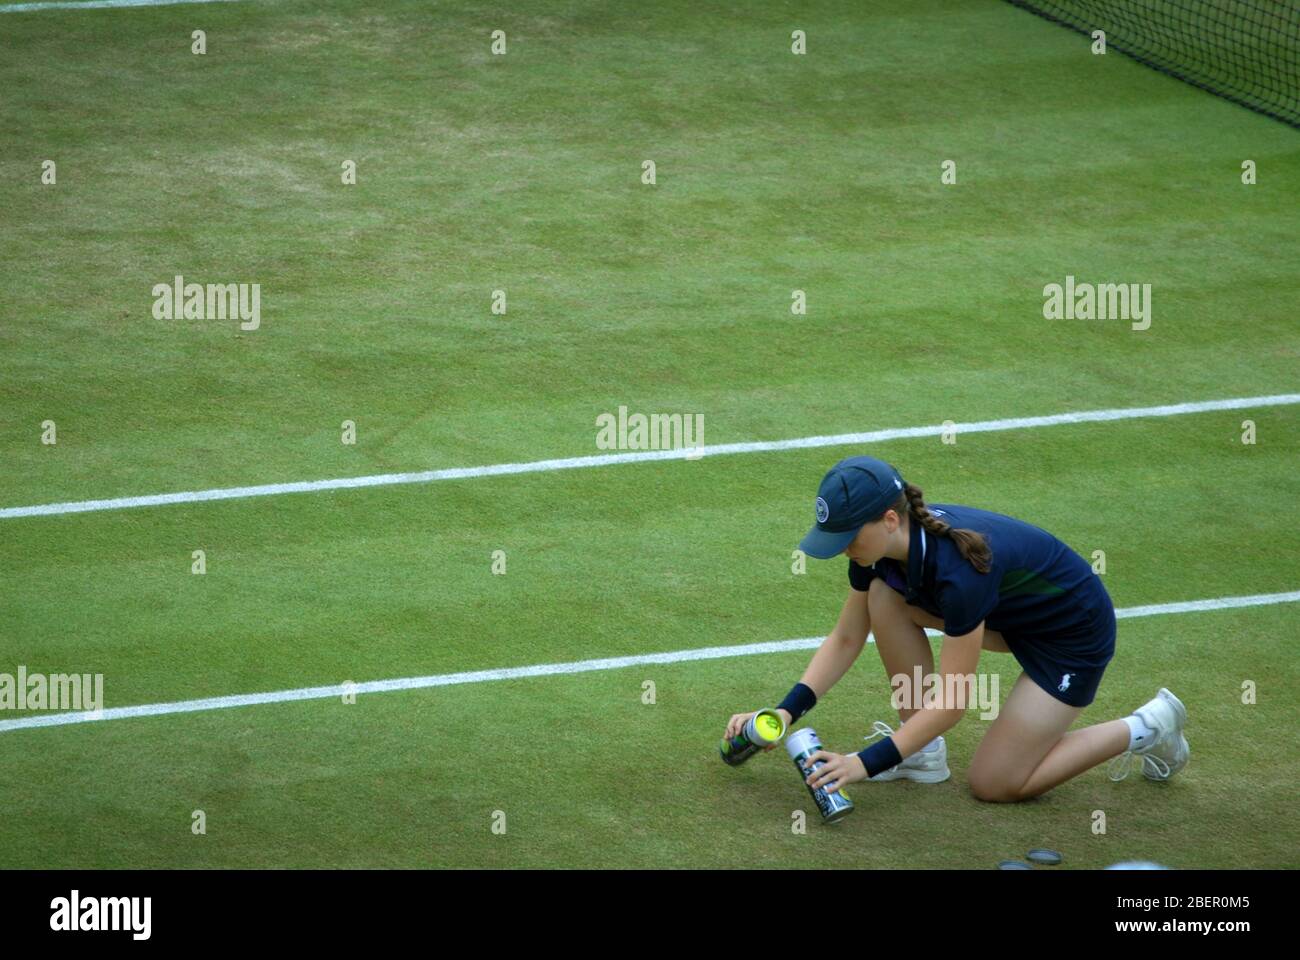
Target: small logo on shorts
[823,511]
[1065,682]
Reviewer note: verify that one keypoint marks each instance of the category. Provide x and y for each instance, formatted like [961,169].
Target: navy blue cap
[854,492]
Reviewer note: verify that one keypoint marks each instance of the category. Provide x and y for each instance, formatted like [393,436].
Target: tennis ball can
[763,729]
[802,744]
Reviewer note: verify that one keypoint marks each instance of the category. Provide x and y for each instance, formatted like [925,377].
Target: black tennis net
[1247,51]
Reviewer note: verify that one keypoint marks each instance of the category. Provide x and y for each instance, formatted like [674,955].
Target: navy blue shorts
[1067,666]
[1070,667]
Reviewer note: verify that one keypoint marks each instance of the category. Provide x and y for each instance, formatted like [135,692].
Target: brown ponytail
[971,544]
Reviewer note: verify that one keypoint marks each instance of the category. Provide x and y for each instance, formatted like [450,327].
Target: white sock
[932,745]
[1139,734]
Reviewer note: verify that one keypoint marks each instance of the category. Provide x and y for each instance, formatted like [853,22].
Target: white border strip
[96,4]
[641,456]
[547,670]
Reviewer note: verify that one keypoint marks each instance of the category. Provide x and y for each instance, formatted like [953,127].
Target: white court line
[547,670]
[641,456]
[96,4]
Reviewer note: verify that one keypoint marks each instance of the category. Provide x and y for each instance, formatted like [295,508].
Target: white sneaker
[922,766]
[1168,752]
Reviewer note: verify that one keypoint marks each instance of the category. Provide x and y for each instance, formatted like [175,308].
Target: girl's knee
[992,789]
[995,797]
[881,597]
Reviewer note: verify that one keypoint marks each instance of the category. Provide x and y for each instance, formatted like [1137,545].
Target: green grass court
[522,172]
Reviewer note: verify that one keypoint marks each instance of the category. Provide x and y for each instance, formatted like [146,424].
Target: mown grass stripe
[642,456]
[548,669]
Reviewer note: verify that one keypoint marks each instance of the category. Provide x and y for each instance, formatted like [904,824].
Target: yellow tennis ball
[768,726]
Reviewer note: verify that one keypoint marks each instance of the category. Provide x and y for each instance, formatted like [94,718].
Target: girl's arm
[838,651]
[957,656]
[832,659]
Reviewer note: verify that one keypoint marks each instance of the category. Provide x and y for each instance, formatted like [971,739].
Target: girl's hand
[839,769]
[738,721]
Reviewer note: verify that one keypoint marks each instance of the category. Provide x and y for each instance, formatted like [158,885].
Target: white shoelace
[879,729]
[1123,764]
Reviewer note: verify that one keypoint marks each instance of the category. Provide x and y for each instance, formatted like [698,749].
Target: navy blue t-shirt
[1037,588]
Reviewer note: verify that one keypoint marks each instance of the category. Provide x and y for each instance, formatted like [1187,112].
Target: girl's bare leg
[1027,750]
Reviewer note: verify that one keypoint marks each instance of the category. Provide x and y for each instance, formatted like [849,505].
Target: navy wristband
[880,756]
[798,701]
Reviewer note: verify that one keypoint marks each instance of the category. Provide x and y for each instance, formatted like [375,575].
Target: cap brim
[822,544]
